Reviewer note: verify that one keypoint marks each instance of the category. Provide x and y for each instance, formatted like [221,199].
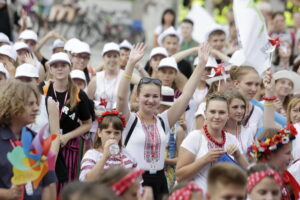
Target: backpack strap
[130,131]
[162,123]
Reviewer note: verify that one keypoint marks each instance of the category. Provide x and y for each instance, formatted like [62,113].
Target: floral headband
[111,113]
[266,145]
[124,183]
[185,193]
[257,177]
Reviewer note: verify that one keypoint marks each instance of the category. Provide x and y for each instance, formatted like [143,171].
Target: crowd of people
[185,126]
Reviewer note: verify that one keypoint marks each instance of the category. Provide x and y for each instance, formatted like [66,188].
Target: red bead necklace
[221,144]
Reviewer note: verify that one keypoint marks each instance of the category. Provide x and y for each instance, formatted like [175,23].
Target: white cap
[169,31]
[167,96]
[111,46]
[159,51]
[294,77]
[58,43]
[126,45]
[4,38]
[27,70]
[211,62]
[168,62]
[217,27]
[21,45]
[78,74]
[4,71]
[217,78]
[59,57]
[8,51]
[28,35]
[81,47]
[71,43]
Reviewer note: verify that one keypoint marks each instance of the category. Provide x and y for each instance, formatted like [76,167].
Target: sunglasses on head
[222,96]
[146,80]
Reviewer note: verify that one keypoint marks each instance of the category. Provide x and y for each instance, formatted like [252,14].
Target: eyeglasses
[221,96]
[146,80]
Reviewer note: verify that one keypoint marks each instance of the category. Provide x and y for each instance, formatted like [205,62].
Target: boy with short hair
[186,28]
[217,40]
[226,181]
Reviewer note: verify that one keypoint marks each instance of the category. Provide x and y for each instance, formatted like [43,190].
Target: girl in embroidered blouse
[150,137]
[264,182]
[111,124]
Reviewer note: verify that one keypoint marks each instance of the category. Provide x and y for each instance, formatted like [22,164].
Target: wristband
[268,104]
[269,98]
[127,75]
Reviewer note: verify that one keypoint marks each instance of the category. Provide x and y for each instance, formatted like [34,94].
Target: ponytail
[74,92]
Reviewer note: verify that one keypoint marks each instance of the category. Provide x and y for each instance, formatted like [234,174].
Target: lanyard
[60,110]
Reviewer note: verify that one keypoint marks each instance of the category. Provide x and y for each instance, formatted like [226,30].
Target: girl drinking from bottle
[107,150]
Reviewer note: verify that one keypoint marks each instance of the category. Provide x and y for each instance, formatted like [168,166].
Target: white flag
[253,36]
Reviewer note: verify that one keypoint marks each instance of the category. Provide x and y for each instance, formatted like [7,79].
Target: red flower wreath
[112,112]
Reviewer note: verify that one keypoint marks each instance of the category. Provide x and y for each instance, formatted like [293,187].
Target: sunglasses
[221,96]
[146,80]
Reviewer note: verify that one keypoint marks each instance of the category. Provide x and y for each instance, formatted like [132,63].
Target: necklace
[210,138]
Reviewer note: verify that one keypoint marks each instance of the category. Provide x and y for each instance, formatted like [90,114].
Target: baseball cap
[8,51]
[78,74]
[4,38]
[169,31]
[111,46]
[21,45]
[126,45]
[28,35]
[59,57]
[159,51]
[81,47]
[168,62]
[27,70]
[58,43]
[70,44]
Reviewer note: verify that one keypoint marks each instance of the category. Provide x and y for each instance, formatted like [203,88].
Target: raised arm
[181,103]
[269,110]
[136,55]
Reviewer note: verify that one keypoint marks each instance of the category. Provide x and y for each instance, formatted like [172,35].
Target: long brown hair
[73,90]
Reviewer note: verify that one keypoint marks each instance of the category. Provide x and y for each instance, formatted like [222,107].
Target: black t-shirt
[185,68]
[70,118]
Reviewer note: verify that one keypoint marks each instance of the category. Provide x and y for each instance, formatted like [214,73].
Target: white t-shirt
[42,118]
[296,143]
[255,121]
[294,169]
[92,156]
[107,89]
[199,95]
[140,147]
[197,144]
[201,109]
[245,138]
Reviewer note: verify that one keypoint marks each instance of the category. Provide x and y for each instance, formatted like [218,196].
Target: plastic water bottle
[114,149]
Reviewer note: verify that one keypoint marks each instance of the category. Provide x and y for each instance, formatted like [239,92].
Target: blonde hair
[237,73]
[290,106]
[13,99]
[74,93]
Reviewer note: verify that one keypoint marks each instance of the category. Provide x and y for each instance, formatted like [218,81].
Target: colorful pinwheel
[33,159]
[217,71]
[275,43]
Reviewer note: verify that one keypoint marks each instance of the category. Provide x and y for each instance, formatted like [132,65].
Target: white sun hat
[126,45]
[294,77]
[59,57]
[217,78]
[167,32]
[21,45]
[167,96]
[78,74]
[111,46]
[8,51]
[58,43]
[28,35]
[158,51]
[168,62]
[211,62]
[27,70]
[4,71]
[4,38]
[71,43]
[81,47]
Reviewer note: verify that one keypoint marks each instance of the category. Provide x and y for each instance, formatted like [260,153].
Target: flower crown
[266,145]
[112,112]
